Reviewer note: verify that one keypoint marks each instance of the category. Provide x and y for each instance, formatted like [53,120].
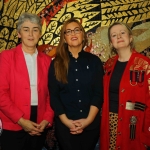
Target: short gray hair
[29,17]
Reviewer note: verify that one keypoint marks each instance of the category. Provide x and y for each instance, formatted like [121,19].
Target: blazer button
[122,90]
[121,105]
[120,119]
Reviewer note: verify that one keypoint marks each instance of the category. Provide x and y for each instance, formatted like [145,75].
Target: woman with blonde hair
[125,120]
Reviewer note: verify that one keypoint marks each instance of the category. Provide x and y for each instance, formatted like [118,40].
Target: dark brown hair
[61,62]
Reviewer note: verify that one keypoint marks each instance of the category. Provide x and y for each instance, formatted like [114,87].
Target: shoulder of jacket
[109,63]
[44,56]
[8,52]
[140,62]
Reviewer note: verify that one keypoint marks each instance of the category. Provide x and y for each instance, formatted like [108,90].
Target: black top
[84,88]
[114,86]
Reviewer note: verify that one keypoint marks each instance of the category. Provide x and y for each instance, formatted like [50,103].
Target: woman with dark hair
[76,89]
[125,120]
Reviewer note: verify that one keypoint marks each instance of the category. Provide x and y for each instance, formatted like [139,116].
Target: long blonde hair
[61,62]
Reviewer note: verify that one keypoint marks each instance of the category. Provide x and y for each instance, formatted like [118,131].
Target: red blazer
[15,94]
[136,92]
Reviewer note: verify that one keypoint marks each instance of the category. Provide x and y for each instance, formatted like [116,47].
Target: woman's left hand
[80,125]
[41,127]
[43,124]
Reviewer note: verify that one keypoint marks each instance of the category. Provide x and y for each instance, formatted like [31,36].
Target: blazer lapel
[39,67]
[20,64]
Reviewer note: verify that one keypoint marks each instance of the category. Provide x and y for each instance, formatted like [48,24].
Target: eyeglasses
[76,31]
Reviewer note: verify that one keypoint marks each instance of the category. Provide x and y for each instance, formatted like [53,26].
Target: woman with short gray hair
[29,17]
[24,98]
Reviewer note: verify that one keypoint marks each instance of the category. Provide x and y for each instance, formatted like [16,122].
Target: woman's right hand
[31,127]
[69,123]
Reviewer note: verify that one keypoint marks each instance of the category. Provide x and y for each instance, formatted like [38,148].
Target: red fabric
[139,93]
[15,88]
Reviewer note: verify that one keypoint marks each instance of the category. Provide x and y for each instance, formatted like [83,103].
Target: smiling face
[120,37]
[74,35]
[29,34]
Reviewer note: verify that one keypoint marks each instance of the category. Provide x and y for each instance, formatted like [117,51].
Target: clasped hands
[77,126]
[31,127]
